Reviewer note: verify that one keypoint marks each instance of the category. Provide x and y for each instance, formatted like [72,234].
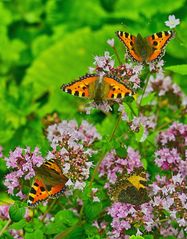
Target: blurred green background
[45,43]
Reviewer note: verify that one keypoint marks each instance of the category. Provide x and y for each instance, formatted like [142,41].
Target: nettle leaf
[147,99]
[92,209]
[18,225]
[35,234]
[16,212]
[180,69]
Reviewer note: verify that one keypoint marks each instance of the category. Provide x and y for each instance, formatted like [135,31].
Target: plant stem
[5,227]
[145,86]
[48,209]
[117,55]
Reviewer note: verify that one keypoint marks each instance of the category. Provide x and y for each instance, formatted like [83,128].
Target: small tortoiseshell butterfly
[131,189]
[49,182]
[92,86]
[146,49]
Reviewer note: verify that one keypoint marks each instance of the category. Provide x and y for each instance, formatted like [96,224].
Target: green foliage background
[45,43]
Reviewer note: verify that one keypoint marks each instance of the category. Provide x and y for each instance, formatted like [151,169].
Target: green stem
[5,227]
[48,209]
[117,55]
[145,87]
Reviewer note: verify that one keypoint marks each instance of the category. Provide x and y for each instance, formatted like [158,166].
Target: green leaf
[147,99]
[16,212]
[180,69]
[136,237]
[139,134]
[92,209]
[18,225]
[35,234]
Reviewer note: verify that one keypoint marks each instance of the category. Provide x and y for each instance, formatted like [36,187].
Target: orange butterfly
[92,86]
[148,49]
[49,182]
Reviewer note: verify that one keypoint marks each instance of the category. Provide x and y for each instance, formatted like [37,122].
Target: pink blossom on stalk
[111,42]
[22,162]
[73,144]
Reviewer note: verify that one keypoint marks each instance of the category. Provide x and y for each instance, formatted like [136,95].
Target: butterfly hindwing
[158,42]
[129,41]
[49,182]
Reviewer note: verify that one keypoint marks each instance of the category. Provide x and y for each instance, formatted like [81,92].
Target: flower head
[172,22]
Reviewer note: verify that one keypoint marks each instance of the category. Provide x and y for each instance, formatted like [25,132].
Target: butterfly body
[49,182]
[93,86]
[146,49]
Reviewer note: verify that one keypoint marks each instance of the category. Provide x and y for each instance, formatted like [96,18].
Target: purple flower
[22,162]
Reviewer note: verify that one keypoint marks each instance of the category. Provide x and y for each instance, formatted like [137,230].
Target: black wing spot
[121,34]
[159,34]
[127,93]
[113,89]
[153,37]
[76,93]
[166,33]
[69,91]
[35,184]
[83,94]
[112,96]
[119,95]
[33,191]
[155,43]
[84,87]
[31,198]
[126,34]
[42,189]
[131,43]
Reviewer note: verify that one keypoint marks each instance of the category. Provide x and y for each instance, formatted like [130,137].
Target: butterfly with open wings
[146,49]
[93,86]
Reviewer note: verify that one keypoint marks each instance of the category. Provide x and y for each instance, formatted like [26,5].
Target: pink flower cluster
[72,144]
[22,162]
[164,86]
[112,165]
[172,153]
[148,122]
[169,201]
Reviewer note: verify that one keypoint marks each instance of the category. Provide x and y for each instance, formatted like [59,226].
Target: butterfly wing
[48,183]
[158,42]
[115,88]
[81,87]
[129,41]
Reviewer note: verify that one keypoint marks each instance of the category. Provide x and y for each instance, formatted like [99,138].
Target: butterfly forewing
[81,87]
[129,41]
[158,42]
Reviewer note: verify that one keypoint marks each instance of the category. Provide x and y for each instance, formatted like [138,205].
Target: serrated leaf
[35,234]
[18,225]
[147,99]
[92,210]
[16,212]
[180,69]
